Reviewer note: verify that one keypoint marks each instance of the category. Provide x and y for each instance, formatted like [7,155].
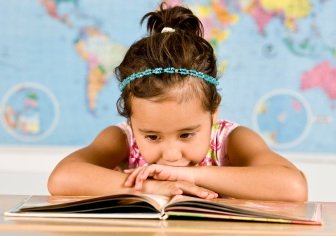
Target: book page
[159,201]
[274,209]
[59,203]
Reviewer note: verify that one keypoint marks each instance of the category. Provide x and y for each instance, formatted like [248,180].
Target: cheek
[196,153]
[199,148]
[196,150]
[148,151]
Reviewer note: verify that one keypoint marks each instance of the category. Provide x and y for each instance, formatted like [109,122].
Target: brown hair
[183,48]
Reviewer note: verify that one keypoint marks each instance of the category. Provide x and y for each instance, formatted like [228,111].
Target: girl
[172,143]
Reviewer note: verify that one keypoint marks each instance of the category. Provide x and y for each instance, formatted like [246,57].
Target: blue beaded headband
[168,70]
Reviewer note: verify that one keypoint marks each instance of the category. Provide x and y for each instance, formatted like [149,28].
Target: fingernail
[204,193]
[178,192]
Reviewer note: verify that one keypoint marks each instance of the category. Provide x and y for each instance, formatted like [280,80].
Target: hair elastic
[168,70]
[167,30]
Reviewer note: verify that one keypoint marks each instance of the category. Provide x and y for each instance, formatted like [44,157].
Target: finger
[139,180]
[128,171]
[194,190]
[211,195]
[142,175]
[151,171]
[176,191]
[130,180]
[161,172]
[208,194]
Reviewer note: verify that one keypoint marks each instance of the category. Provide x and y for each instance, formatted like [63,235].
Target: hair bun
[177,18]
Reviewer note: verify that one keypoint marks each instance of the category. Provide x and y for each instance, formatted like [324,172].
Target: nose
[171,154]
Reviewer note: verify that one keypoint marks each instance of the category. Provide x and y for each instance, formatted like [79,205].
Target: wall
[26,170]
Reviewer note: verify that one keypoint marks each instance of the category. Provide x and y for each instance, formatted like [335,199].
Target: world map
[276,60]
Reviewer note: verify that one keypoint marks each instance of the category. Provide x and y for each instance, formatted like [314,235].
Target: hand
[159,172]
[172,188]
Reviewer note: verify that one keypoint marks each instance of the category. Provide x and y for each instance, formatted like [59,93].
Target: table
[99,227]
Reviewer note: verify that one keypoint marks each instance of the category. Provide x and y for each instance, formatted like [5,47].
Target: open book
[160,207]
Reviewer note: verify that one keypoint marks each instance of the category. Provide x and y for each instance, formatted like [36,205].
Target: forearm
[254,182]
[82,178]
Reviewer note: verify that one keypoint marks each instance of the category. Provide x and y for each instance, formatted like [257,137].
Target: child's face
[171,133]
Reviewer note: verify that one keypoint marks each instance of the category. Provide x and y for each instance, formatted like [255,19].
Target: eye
[186,135]
[152,137]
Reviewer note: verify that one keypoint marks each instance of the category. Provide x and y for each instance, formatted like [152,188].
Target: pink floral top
[217,153]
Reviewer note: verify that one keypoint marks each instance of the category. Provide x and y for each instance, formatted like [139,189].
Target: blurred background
[277,70]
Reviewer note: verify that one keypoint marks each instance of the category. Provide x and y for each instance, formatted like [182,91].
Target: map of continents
[94,47]
[276,59]
[287,115]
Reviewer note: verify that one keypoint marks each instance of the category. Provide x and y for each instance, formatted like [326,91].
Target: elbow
[298,190]
[299,194]
[53,184]
[56,183]
[62,180]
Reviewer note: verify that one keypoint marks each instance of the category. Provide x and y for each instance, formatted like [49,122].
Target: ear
[215,116]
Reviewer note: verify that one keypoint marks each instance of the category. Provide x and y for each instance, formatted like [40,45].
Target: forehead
[168,114]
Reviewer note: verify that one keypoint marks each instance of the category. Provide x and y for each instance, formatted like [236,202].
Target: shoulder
[111,132]
[245,145]
[108,149]
[242,134]
[110,139]
[247,148]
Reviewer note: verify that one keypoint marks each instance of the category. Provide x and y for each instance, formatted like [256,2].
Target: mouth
[181,164]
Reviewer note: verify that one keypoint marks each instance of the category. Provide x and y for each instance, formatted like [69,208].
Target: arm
[255,172]
[90,171]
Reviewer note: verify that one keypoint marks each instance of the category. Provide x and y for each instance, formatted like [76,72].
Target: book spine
[163,215]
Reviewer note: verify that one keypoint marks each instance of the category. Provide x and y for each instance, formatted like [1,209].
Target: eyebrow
[191,128]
